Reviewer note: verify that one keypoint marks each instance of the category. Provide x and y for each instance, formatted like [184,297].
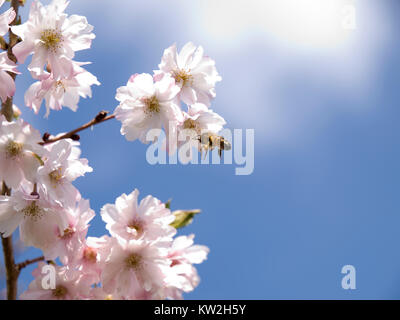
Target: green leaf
[184,217]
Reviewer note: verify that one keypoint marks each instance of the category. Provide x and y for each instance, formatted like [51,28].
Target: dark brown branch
[101,117]
[7,109]
[26,263]
[11,271]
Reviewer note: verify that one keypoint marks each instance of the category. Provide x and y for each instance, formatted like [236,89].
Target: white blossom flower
[145,104]
[5,19]
[133,267]
[69,285]
[7,85]
[53,37]
[64,92]
[19,151]
[194,72]
[71,241]
[183,255]
[197,121]
[39,220]
[148,220]
[62,165]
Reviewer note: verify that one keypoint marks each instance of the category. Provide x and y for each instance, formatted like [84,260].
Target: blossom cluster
[140,260]
[142,257]
[154,101]
[53,37]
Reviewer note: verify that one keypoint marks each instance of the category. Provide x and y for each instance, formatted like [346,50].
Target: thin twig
[26,263]
[101,117]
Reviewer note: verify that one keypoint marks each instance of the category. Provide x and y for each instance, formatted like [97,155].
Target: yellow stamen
[33,211]
[152,105]
[51,39]
[183,76]
[134,261]
[13,149]
[59,292]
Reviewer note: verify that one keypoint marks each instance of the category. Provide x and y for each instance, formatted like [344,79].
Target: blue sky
[324,104]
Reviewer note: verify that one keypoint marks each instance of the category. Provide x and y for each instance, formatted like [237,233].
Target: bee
[210,141]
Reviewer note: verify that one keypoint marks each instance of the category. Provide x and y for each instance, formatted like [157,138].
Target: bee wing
[227,145]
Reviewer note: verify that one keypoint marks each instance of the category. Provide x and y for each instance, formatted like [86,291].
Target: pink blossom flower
[71,240]
[19,151]
[148,220]
[68,285]
[183,255]
[64,92]
[199,120]
[87,259]
[38,219]
[7,85]
[53,38]
[145,104]
[133,267]
[194,72]
[5,19]
[61,167]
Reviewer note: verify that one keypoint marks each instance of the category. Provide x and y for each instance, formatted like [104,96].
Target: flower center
[137,225]
[51,39]
[134,261]
[59,292]
[33,211]
[90,254]
[56,176]
[13,149]
[190,124]
[183,76]
[67,234]
[60,84]
[152,105]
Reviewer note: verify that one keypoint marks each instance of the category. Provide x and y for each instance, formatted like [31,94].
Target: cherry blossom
[146,104]
[19,152]
[61,166]
[71,239]
[183,255]
[133,267]
[68,285]
[148,220]
[194,72]
[38,219]
[198,120]
[5,19]
[63,92]
[53,37]
[7,85]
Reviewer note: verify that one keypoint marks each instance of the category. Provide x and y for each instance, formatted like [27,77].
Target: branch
[101,117]
[26,263]
[12,272]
